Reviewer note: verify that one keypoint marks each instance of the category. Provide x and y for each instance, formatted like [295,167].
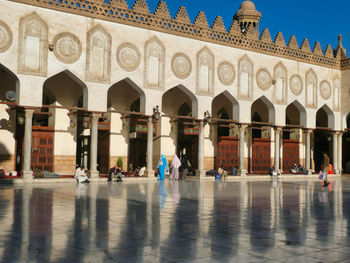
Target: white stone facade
[37,44]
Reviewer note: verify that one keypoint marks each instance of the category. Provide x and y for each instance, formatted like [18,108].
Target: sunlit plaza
[277,220]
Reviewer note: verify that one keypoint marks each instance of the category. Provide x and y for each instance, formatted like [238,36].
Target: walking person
[176,163]
[162,167]
[325,169]
[184,166]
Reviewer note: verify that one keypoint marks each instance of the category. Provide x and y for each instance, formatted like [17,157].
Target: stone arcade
[89,77]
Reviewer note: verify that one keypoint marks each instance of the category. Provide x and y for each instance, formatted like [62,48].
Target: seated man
[80,175]
[115,172]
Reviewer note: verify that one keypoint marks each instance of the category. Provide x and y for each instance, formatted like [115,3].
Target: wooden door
[261,155]
[103,151]
[42,149]
[227,152]
[290,154]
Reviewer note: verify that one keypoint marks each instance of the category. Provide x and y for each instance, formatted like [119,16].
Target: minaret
[247,16]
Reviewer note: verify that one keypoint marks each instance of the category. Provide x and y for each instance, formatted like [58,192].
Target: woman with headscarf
[162,166]
[176,163]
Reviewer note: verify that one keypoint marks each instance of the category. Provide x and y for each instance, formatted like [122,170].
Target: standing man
[325,169]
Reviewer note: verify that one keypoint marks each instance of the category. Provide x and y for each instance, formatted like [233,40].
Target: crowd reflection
[168,220]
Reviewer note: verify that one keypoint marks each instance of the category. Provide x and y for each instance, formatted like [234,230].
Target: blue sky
[317,20]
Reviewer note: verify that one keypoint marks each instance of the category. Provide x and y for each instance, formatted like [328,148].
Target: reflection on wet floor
[274,221]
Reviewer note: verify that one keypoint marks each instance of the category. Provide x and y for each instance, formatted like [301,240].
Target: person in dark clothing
[184,167]
[116,173]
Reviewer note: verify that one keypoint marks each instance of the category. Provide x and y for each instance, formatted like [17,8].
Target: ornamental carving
[264,80]
[154,70]
[226,73]
[32,45]
[296,85]
[98,56]
[181,65]
[245,78]
[67,48]
[325,90]
[205,72]
[311,89]
[128,57]
[5,37]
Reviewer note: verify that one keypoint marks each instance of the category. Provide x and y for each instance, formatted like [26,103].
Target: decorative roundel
[226,73]
[128,57]
[181,65]
[325,90]
[5,37]
[296,85]
[264,79]
[67,48]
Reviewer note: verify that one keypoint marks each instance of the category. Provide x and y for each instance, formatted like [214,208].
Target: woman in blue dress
[162,167]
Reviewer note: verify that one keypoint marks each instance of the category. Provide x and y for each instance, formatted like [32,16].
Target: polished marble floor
[272,221]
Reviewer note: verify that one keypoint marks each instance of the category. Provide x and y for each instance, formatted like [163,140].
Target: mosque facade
[96,82]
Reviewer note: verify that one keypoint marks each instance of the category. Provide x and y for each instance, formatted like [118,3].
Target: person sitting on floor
[80,175]
[115,172]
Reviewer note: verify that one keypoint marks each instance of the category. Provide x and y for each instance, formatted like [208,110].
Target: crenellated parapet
[248,39]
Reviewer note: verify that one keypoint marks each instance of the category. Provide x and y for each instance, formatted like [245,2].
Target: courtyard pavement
[247,221]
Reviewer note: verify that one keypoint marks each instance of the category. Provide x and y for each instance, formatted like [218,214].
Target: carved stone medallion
[263,78]
[325,90]
[296,85]
[128,57]
[181,65]
[5,37]
[67,48]
[226,73]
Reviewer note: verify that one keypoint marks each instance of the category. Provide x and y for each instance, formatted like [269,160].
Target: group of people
[179,167]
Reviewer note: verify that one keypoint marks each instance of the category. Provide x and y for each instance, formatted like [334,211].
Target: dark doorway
[187,140]
[322,144]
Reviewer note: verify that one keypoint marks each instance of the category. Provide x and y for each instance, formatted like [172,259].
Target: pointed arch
[205,72]
[98,55]
[124,93]
[32,45]
[227,101]
[9,82]
[280,75]
[154,73]
[325,117]
[346,121]
[245,78]
[265,109]
[296,114]
[66,88]
[173,98]
[311,89]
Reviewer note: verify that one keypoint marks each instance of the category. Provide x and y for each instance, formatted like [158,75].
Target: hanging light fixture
[156,113]
[207,117]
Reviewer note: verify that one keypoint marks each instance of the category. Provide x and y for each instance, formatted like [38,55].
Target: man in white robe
[80,175]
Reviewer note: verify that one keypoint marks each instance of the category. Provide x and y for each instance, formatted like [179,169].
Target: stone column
[93,147]
[277,148]
[242,131]
[340,152]
[27,173]
[201,171]
[149,171]
[335,152]
[308,151]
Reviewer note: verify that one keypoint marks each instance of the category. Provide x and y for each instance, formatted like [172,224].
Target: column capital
[95,116]
[308,131]
[243,127]
[28,113]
